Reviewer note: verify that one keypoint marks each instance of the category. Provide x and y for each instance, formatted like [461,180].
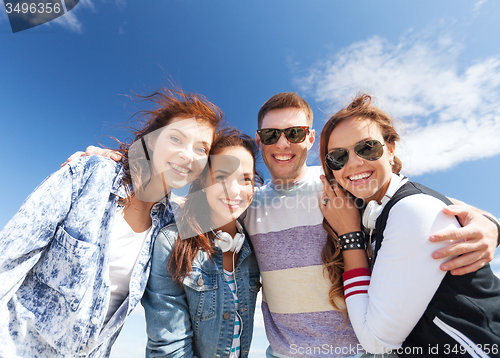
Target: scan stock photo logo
[25,14]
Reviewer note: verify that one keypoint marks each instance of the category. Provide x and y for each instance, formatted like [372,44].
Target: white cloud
[478,4]
[451,115]
[87,3]
[72,19]
[69,21]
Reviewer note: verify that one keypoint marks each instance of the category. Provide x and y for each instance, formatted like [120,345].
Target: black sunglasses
[270,136]
[368,149]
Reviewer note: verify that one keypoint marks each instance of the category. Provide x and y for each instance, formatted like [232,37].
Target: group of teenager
[354,260]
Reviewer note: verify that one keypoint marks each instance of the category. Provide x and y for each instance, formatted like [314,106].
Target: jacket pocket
[68,266]
[201,290]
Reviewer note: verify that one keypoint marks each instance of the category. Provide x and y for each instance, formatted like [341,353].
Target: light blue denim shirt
[54,265]
[197,319]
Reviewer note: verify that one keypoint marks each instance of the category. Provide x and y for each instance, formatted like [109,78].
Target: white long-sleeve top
[404,277]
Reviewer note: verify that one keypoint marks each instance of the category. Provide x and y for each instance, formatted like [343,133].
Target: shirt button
[227,315]
[94,320]
[200,281]
[74,303]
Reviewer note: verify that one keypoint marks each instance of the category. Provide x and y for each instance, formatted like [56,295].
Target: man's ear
[257,138]
[310,138]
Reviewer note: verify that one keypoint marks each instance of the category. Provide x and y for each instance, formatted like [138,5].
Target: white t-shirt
[126,244]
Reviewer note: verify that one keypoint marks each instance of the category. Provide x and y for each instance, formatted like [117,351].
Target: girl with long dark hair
[200,298]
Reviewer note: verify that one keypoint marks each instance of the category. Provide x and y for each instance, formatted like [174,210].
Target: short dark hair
[285,100]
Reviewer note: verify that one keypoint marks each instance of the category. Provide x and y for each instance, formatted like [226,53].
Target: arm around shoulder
[479,238]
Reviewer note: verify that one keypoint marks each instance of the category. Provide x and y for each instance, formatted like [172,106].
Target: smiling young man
[286,230]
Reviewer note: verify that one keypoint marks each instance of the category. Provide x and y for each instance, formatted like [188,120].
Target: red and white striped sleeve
[356,282]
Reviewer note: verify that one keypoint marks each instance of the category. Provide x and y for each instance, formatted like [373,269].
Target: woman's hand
[91,150]
[340,211]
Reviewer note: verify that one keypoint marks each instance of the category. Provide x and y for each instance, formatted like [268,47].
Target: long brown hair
[360,108]
[171,103]
[183,254]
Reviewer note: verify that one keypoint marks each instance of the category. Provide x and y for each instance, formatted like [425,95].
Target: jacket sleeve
[384,310]
[168,325]
[25,237]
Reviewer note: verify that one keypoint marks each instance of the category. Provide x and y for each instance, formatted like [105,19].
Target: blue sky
[434,65]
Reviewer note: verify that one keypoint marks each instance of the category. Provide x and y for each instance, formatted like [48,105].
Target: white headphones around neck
[374,209]
[226,242]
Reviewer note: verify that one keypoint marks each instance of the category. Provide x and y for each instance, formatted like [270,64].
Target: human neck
[286,181]
[153,191]
[137,214]
[378,196]
[230,228]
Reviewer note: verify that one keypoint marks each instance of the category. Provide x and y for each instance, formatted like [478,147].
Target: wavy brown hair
[183,254]
[361,107]
[170,104]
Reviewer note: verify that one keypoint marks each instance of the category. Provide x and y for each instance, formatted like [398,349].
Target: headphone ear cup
[239,239]
[224,241]
[371,214]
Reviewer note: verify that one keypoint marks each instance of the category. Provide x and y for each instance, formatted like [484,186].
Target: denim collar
[121,191]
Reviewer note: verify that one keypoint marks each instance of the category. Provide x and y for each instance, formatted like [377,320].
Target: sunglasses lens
[269,136]
[336,159]
[369,150]
[295,134]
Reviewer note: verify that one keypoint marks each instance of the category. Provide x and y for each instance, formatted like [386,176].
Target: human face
[229,184]
[286,161]
[364,179]
[179,152]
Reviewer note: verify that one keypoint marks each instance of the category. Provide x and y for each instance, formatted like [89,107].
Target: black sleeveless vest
[469,303]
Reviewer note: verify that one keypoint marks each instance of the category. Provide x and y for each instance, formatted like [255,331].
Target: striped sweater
[285,227]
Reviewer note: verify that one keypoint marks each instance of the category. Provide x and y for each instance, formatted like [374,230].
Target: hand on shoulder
[478,236]
[92,150]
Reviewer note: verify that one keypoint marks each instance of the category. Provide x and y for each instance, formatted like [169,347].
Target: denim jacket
[54,272]
[197,318]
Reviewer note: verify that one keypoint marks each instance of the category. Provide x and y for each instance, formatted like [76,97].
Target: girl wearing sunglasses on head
[200,298]
[396,295]
[76,257]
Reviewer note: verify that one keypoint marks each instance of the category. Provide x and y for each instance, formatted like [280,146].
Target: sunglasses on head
[270,136]
[368,149]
